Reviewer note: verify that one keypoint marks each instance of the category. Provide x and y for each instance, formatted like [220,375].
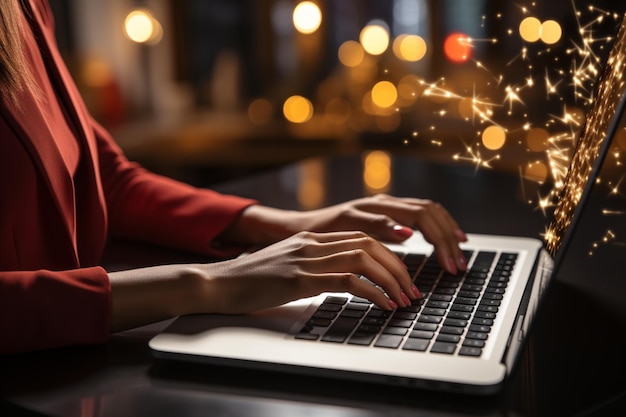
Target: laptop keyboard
[454,317]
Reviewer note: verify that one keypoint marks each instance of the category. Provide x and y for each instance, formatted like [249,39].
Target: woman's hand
[383,217]
[304,265]
[392,219]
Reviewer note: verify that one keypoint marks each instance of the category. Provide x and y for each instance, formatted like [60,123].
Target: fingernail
[462,263]
[459,234]
[452,266]
[405,299]
[402,231]
[393,304]
[417,292]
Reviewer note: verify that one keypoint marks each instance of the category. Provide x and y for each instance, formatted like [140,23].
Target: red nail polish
[462,262]
[452,266]
[402,231]
[417,292]
[405,299]
[393,304]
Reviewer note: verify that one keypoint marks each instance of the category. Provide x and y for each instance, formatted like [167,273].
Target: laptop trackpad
[285,319]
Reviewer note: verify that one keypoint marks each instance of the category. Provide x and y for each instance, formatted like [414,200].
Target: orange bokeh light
[457,47]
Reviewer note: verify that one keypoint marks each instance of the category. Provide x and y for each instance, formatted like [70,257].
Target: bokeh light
[375,38]
[411,48]
[384,94]
[457,47]
[141,27]
[530,29]
[260,111]
[297,109]
[537,139]
[551,32]
[493,137]
[307,17]
[377,170]
[351,53]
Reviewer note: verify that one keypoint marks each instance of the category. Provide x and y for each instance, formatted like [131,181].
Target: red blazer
[54,225]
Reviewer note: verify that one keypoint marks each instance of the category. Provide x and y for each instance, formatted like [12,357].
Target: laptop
[467,331]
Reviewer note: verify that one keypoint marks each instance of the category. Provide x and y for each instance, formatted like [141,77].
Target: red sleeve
[143,205]
[80,300]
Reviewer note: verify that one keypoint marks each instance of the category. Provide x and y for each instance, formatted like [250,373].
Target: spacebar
[340,329]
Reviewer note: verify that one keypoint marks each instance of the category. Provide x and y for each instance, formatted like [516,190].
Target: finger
[377,251]
[436,224]
[361,262]
[376,223]
[403,211]
[352,283]
[436,227]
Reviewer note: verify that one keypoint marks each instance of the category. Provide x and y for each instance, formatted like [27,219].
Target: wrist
[261,225]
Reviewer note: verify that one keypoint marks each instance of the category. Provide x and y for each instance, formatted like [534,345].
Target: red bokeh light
[457,47]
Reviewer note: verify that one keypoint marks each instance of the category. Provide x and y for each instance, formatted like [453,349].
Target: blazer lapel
[31,127]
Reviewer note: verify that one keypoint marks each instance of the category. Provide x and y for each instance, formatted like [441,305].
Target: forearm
[261,225]
[146,295]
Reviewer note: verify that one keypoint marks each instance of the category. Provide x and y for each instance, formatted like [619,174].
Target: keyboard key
[368,328]
[398,331]
[485,314]
[429,327]
[455,322]
[459,315]
[362,338]
[450,338]
[340,330]
[434,311]
[482,322]
[443,347]
[335,300]
[352,313]
[474,343]
[429,319]
[437,304]
[489,309]
[320,322]
[404,315]
[470,351]
[325,315]
[329,307]
[441,297]
[400,323]
[462,307]
[422,334]
[357,306]
[479,328]
[376,321]
[388,341]
[416,344]
[452,330]
[465,301]
[476,335]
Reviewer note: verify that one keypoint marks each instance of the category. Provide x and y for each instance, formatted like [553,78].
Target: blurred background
[210,90]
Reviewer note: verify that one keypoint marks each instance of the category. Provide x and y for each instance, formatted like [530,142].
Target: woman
[65,186]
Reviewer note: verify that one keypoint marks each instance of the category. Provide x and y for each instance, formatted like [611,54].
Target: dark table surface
[573,363]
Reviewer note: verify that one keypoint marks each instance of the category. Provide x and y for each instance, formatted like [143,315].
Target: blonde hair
[15,75]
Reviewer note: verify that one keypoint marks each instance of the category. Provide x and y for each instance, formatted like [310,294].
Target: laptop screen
[599,128]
